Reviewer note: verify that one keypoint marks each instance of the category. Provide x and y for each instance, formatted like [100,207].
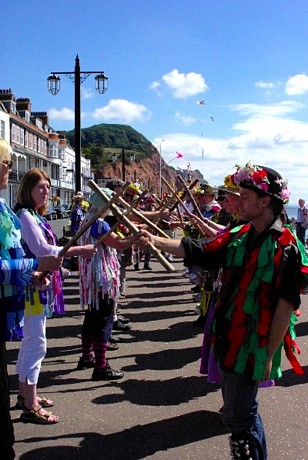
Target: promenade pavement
[162,408]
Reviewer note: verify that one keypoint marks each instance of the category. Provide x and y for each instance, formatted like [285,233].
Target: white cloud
[86,93]
[266,110]
[154,85]
[265,85]
[184,119]
[185,85]
[267,135]
[122,111]
[64,114]
[297,85]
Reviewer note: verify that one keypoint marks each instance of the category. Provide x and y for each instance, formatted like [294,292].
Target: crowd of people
[247,265]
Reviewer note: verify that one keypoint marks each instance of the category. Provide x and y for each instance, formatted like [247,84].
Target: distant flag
[203,103]
[178,155]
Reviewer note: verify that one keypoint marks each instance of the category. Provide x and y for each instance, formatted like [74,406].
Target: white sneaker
[197,309]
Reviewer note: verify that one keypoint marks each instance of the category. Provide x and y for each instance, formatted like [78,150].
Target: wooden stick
[178,198]
[172,190]
[196,208]
[85,227]
[91,221]
[189,213]
[191,186]
[132,227]
[116,224]
[168,202]
[142,218]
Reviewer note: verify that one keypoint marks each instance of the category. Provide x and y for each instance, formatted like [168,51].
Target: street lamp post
[78,77]
[123,164]
[160,187]
[115,157]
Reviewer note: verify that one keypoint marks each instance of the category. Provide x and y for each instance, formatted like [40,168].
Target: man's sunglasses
[8,163]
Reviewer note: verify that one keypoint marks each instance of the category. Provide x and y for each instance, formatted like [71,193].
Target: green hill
[100,142]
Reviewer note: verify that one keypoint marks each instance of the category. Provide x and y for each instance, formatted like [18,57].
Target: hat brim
[225,189]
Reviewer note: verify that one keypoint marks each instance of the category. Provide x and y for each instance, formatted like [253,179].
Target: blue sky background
[248,59]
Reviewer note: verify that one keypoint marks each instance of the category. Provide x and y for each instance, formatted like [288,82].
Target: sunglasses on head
[8,163]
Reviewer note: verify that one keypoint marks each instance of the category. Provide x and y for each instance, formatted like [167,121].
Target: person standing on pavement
[205,197]
[38,240]
[263,273]
[120,323]
[301,221]
[77,212]
[16,272]
[99,291]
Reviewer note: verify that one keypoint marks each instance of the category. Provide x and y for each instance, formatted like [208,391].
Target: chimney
[23,105]
[41,115]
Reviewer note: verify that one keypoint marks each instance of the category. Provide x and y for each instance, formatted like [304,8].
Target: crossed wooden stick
[121,216]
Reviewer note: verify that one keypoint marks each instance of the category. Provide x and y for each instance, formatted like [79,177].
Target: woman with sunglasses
[16,272]
[38,239]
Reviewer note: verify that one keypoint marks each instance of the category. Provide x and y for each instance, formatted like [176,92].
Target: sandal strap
[34,416]
[45,402]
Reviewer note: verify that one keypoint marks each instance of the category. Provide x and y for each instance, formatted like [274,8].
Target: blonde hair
[5,148]
[28,182]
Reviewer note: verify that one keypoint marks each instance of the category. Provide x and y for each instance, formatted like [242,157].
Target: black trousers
[6,427]
[98,323]
[300,233]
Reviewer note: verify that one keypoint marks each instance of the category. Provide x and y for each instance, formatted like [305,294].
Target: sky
[245,59]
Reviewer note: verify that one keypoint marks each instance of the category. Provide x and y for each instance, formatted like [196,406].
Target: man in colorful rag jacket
[263,273]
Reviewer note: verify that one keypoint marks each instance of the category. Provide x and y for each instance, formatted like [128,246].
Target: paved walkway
[162,408]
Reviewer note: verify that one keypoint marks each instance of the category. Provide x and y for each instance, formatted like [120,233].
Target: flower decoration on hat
[230,184]
[264,179]
[204,188]
[135,188]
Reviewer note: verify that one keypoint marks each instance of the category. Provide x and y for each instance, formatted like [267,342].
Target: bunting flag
[179,155]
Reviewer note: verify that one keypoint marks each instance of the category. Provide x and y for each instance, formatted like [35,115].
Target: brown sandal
[34,416]
[43,402]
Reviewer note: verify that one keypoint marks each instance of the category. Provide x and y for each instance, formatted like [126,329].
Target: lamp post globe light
[78,76]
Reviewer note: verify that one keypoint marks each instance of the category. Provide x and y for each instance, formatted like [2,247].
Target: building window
[31,141]
[13,133]
[2,129]
[22,137]
[17,134]
[26,139]
[35,143]
[53,151]
[39,123]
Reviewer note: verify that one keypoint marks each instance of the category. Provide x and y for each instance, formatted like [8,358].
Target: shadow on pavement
[135,443]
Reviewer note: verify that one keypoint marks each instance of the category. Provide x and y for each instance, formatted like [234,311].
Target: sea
[291,211]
